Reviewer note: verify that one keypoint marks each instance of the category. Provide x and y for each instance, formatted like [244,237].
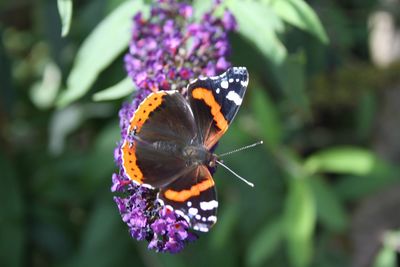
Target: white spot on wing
[245,83]
[209,205]
[212,218]
[231,80]
[224,84]
[234,97]
[198,217]
[189,203]
[217,91]
[193,211]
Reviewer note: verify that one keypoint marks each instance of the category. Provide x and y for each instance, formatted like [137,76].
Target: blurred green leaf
[99,49]
[65,10]
[253,16]
[355,187]
[225,226]
[67,120]
[102,229]
[12,232]
[265,243]
[294,88]
[101,162]
[299,14]
[300,215]
[365,113]
[267,117]
[119,90]
[329,208]
[386,258]
[342,160]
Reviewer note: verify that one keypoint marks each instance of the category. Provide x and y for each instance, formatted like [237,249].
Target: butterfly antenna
[234,173]
[240,149]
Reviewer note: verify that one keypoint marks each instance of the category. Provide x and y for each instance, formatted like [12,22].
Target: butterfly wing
[193,196]
[162,125]
[215,102]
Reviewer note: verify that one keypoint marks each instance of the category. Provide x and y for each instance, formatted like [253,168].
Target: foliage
[311,98]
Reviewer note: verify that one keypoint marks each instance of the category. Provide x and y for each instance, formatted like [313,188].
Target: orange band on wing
[208,97]
[181,196]
[145,108]
[129,163]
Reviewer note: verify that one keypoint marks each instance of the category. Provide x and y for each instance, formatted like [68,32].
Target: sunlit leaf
[300,222]
[265,243]
[65,10]
[386,258]
[259,24]
[330,210]
[44,93]
[342,160]
[299,14]
[99,49]
[119,90]
[267,117]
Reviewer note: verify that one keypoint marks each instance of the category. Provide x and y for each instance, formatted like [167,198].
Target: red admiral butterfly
[170,140]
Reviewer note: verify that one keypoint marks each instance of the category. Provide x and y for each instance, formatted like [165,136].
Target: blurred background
[324,95]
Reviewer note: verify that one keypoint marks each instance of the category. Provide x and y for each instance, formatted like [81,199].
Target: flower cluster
[166,51]
[169,48]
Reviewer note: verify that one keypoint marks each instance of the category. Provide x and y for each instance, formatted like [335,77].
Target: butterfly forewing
[215,102]
[162,125]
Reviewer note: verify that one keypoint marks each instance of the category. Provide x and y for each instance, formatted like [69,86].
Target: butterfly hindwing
[193,196]
[215,102]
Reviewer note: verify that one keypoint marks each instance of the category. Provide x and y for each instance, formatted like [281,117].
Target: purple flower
[166,51]
[171,40]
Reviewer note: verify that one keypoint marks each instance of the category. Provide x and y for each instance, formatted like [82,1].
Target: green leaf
[99,49]
[267,117]
[65,11]
[44,93]
[329,208]
[255,16]
[300,215]
[356,187]
[117,91]
[341,160]
[265,243]
[299,14]
[386,258]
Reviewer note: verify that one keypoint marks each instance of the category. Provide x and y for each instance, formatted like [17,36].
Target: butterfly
[171,139]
